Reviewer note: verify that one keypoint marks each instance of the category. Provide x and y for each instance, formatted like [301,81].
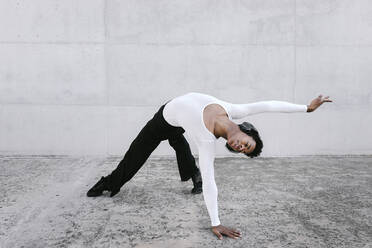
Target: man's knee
[176,141]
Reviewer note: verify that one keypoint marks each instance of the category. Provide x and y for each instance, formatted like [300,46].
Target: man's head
[247,141]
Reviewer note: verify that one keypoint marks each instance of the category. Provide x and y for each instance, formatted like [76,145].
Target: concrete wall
[83,76]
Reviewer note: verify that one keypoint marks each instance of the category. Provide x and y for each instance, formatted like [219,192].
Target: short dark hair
[251,131]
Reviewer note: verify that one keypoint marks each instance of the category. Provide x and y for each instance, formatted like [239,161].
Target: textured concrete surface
[110,64]
[274,202]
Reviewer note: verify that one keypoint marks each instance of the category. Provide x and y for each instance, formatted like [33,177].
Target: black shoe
[198,184]
[98,188]
[114,192]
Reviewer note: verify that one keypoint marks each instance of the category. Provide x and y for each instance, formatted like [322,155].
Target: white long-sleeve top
[186,111]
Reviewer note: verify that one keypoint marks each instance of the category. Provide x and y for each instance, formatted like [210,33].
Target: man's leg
[139,151]
[186,162]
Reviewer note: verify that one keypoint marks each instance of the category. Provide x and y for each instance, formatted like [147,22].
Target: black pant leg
[185,159]
[139,151]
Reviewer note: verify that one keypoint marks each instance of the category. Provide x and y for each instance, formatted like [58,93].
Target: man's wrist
[309,109]
[215,223]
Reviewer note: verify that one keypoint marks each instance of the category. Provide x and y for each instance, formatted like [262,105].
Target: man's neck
[224,127]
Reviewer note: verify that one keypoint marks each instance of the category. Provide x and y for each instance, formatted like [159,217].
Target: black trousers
[155,131]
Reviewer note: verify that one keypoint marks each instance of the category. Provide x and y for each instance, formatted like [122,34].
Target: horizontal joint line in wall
[180,44]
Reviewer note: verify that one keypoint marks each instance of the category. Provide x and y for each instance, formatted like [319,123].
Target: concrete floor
[274,202]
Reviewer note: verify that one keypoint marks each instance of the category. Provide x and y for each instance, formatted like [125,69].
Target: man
[205,118]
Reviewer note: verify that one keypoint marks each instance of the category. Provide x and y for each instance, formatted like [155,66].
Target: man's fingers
[221,231]
[324,99]
[230,234]
[235,232]
[236,235]
[218,234]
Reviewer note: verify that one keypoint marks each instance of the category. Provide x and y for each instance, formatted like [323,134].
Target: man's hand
[222,230]
[317,102]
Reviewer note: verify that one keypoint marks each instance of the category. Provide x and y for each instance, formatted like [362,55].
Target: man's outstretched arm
[206,164]
[238,111]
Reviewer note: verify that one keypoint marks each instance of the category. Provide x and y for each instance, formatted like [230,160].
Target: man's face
[242,143]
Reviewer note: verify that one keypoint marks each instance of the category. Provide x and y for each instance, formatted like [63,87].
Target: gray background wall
[83,76]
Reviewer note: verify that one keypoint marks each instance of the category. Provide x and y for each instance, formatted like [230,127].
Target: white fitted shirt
[186,111]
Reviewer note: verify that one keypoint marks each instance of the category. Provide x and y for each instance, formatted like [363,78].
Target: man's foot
[98,188]
[197,181]
[114,192]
